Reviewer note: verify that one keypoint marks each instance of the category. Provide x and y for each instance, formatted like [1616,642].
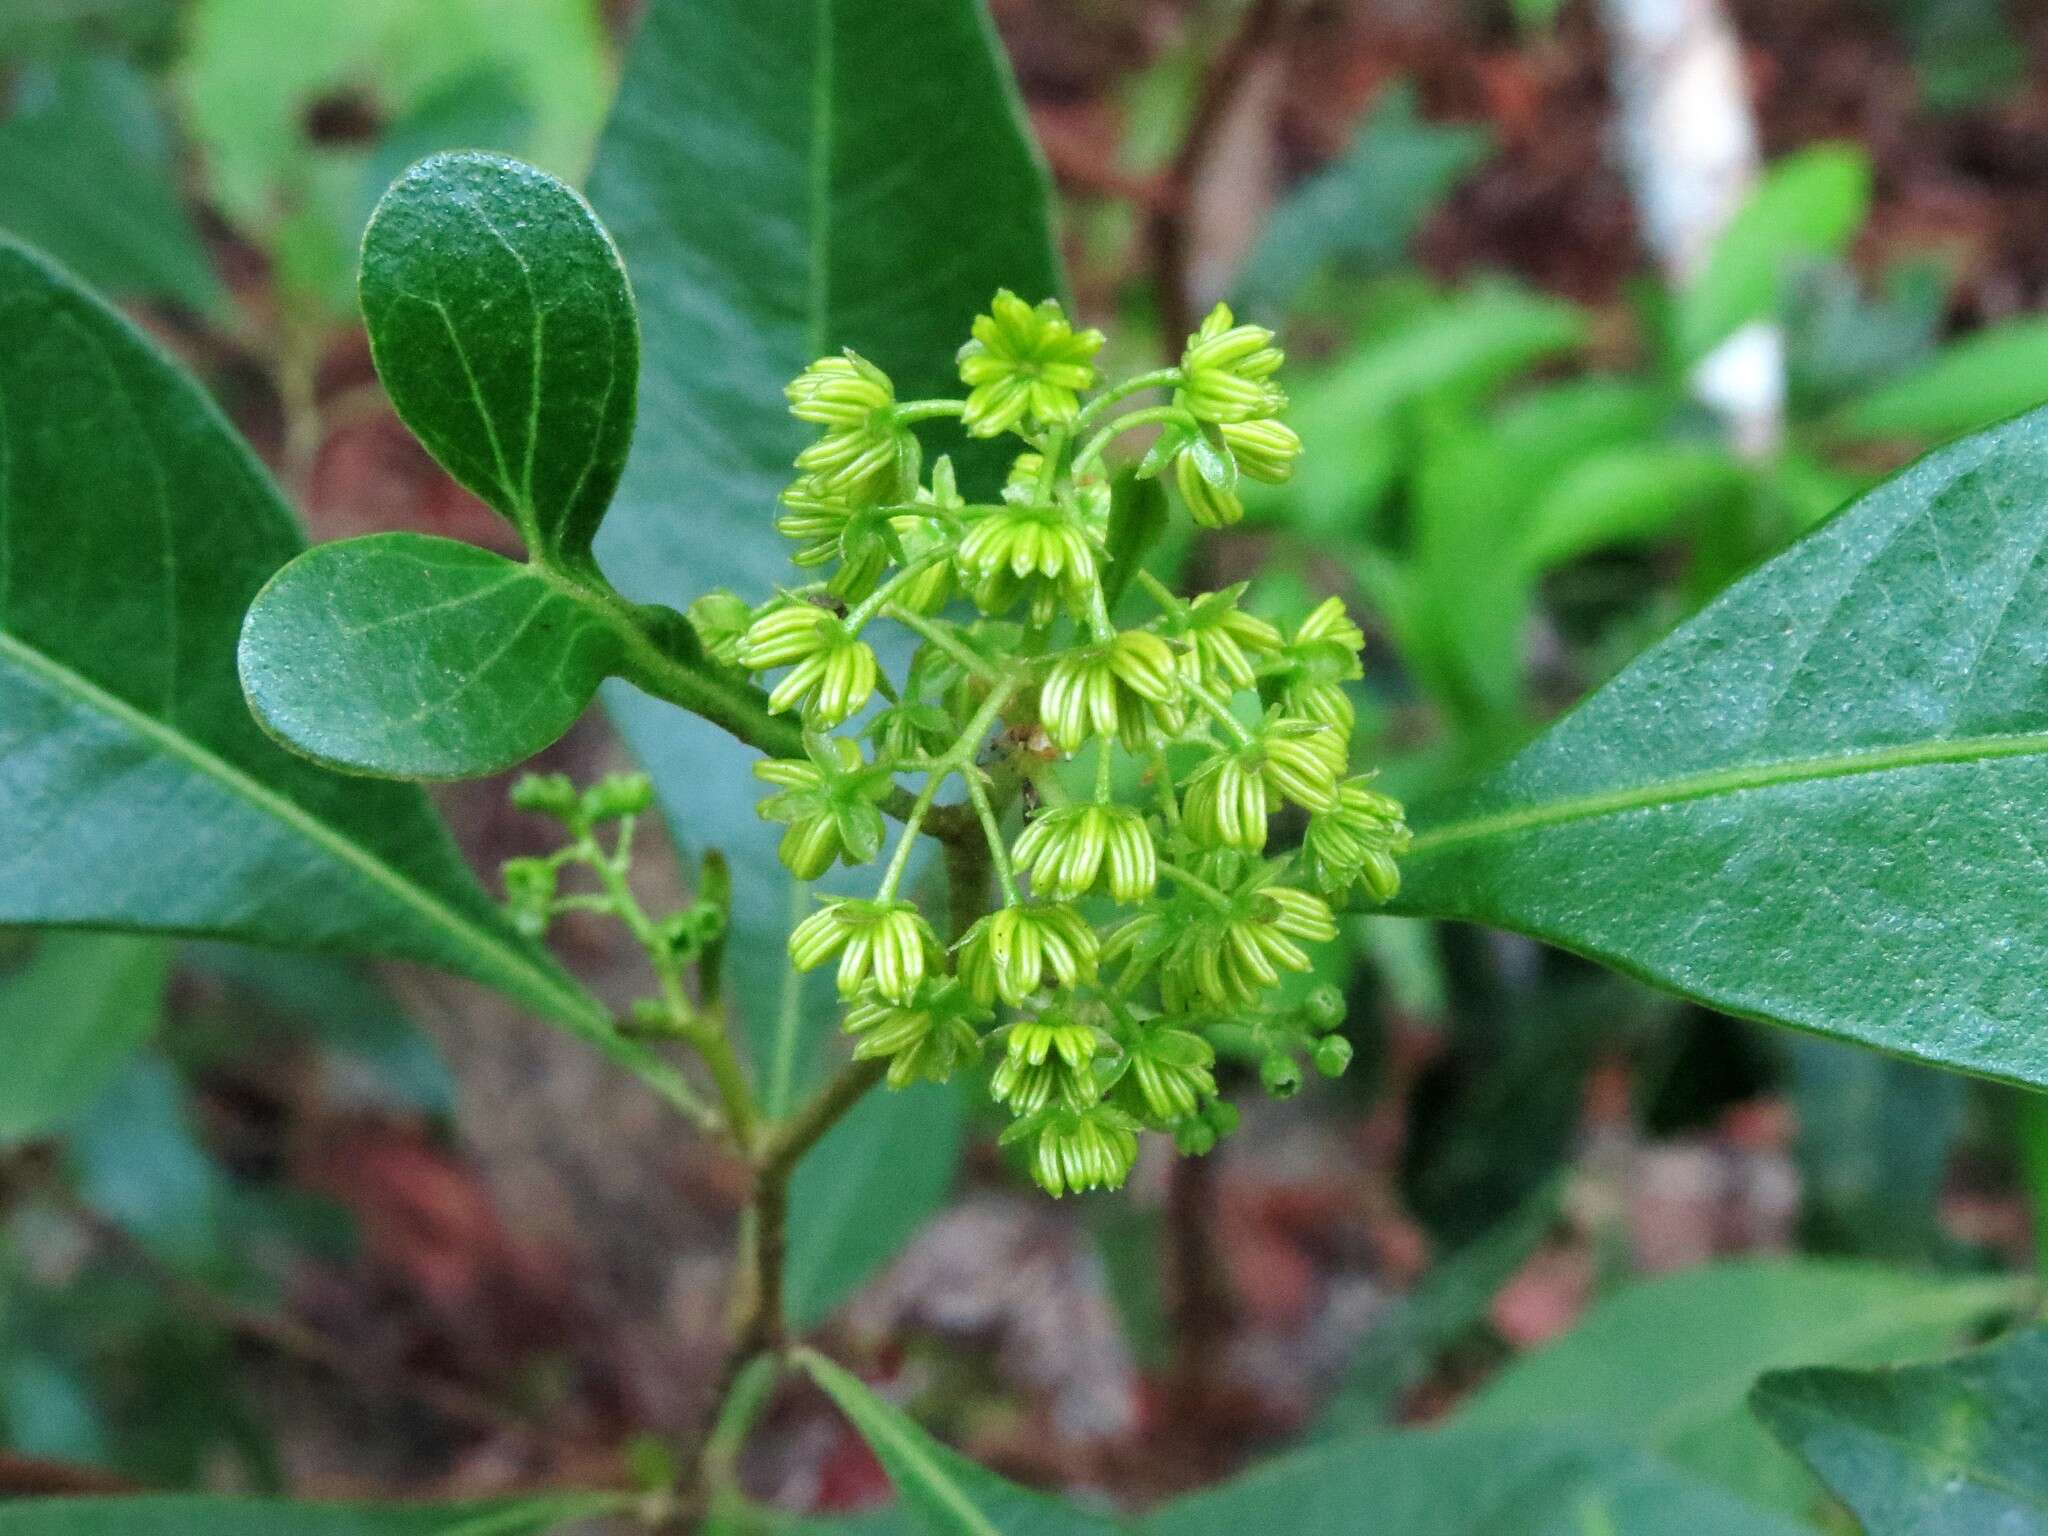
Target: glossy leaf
[1666,1363]
[69,1020]
[874,1180]
[943,1493]
[134,530]
[503,328]
[1138,518]
[192,1515]
[774,205]
[421,658]
[1468,1482]
[87,172]
[1708,820]
[1959,1448]
[1985,377]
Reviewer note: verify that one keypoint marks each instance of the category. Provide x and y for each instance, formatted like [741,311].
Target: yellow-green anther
[1300,760]
[1027,539]
[1167,1073]
[833,673]
[1025,361]
[1011,953]
[1358,841]
[1226,804]
[1086,689]
[1092,1147]
[928,1037]
[886,942]
[1212,506]
[1227,369]
[1264,448]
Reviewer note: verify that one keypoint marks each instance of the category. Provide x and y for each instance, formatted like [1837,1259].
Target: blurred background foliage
[244,1174]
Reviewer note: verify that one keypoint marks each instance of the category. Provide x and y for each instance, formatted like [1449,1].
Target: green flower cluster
[1167,806]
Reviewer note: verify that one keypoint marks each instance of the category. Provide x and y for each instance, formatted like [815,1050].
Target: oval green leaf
[135,528]
[421,658]
[502,326]
[1666,1363]
[1954,1449]
[191,1515]
[1816,803]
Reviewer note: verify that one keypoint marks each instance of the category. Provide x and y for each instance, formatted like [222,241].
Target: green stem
[1158,378]
[1196,884]
[1169,803]
[1219,711]
[935,633]
[992,832]
[1160,593]
[1102,769]
[926,410]
[873,603]
[1150,415]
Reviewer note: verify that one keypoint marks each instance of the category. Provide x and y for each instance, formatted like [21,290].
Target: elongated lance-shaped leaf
[1818,803]
[422,658]
[1958,1448]
[134,530]
[503,328]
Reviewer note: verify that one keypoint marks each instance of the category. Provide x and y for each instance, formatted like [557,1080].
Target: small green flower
[1226,958]
[1322,655]
[1227,368]
[1012,952]
[1300,760]
[720,618]
[1219,640]
[1209,504]
[1069,848]
[886,942]
[1046,1060]
[833,672]
[1357,841]
[1167,1073]
[530,894]
[1078,1148]
[864,453]
[814,518]
[828,802]
[1226,804]
[1088,689]
[928,1037]
[1030,539]
[1025,361]
[1264,448]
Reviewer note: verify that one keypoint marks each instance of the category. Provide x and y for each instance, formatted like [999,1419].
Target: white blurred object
[1688,133]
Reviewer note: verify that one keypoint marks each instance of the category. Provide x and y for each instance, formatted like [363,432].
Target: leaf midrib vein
[265,799]
[1729,781]
[1933,1457]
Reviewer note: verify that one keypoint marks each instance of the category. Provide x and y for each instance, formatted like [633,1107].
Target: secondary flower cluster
[1167,800]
